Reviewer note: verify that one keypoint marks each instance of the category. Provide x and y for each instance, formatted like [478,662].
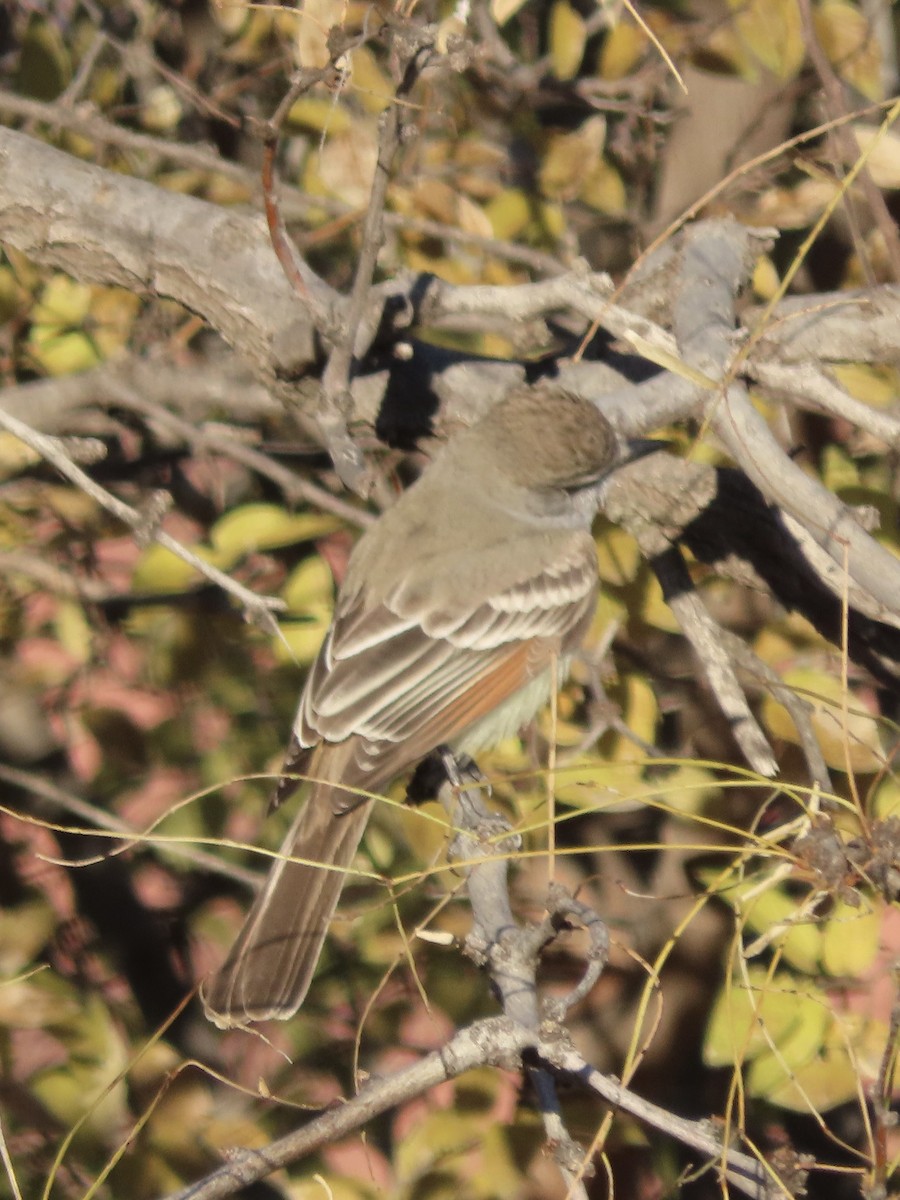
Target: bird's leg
[442,766]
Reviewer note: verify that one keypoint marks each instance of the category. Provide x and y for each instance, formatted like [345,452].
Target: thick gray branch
[107,228]
[703,319]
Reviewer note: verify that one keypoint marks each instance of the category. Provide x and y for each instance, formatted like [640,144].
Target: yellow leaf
[823,1081]
[24,930]
[886,802]
[618,556]
[160,570]
[161,110]
[63,303]
[73,630]
[61,353]
[568,37]
[436,199]
[502,10]
[345,165]
[641,713]
[622,50]
[883,163]
[304,638]
[848,38]
[27,1004]
[313,21]
[570,157]
[838,468]
[320,113]
[509,213]
[86,1085]
[654,610]
[44,66]
[15,456]
[309,584]
[472,218]
[850,940]
[765,278]
[553,219]
[604,190]
[795,207]
[688,789]
[800,942]
[748,1018]
[773,30]
[601,786]
[873,385]
[370,83]
[611,610]
[232,16]
[848,741]
[255,527]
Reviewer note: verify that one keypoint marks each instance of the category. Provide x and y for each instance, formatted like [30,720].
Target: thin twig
[358,333]
[302,278]
[45,789]
[209,437]
[257,608]
[484,845]
[807,385]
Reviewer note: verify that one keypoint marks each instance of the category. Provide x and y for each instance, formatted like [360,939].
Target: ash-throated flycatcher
[460,607]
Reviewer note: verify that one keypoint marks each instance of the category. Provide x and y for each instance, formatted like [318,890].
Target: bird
[461,608]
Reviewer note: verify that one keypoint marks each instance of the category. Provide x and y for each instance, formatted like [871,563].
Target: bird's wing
[404,675]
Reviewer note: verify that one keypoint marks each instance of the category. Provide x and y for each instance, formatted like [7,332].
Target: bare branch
[484,844]
[108,228]
[716,259]
[258,608]
[809,386]
[194,390]
[705,636]
[495,1041]
[218,438]
[35,784]
[360,325]
[295,205]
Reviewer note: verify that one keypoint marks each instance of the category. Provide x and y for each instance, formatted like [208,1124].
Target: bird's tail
[268,972]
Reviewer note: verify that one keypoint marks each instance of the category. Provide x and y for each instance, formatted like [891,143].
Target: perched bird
[460,607]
